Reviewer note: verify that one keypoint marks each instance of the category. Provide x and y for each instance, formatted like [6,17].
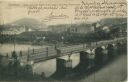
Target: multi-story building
[14,29]
[72,28]
[81,28]
[58,28]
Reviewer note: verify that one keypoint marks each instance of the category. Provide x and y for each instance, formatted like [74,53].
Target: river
[8,48]
[48,67]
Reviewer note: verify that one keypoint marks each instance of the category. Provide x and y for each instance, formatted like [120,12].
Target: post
[62,40]
[20,56]
[28,55]
[20,53]
[33,50]
[32,64]
[83,46]
[55,47]
[7,55]
[47,51]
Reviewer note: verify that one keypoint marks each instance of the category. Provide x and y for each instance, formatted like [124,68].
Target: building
[59,28]
[72,28]
[81,28]
[14,29]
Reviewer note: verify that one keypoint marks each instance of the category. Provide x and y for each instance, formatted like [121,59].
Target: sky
[10,13]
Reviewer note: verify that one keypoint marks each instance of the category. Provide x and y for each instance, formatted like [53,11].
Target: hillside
[29,23]
[112,21]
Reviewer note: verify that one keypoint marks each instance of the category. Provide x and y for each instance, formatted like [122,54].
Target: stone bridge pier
[63,67]
[84,60]
[83,64]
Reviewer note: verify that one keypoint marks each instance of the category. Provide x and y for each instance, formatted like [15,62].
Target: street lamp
[43,38]
[62,38]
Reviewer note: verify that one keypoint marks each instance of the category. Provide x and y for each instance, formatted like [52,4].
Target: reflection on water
[49,66]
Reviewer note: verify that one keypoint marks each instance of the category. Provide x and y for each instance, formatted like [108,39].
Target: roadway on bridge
[49,53]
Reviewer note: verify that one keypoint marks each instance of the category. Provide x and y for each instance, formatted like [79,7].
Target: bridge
[37,55]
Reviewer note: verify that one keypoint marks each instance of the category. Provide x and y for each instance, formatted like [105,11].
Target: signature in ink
[53,16]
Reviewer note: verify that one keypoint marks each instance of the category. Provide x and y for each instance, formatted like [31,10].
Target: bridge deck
[41,54]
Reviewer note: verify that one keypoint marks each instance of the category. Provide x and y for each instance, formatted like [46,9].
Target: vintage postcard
[63,40]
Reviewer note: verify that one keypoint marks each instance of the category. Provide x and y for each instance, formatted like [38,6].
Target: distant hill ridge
[112,21]
[29,23]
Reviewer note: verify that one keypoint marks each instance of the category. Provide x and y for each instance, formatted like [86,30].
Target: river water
[48,67]
[8,48]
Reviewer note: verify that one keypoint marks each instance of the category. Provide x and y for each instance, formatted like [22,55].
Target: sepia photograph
[63,41]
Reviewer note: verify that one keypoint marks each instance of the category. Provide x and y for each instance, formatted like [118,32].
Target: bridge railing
[43,52]
[52,51]
[71,48]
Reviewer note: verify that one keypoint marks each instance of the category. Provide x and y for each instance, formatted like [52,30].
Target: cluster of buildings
[77,28]
[82,28]
[13,29]
[114,30]
[72,28]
